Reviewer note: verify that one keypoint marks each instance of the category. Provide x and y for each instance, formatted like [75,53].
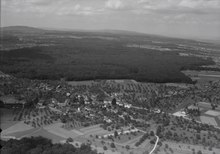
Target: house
[107,119]
[193,107]
[3,75]
[40,104]
[107,102]
[62,104]
[119,103]
[156,110]
[126,105]
[54,101]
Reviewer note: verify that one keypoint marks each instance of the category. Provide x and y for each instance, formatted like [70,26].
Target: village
[108,114]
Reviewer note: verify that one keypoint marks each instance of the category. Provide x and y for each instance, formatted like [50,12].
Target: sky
[176,18]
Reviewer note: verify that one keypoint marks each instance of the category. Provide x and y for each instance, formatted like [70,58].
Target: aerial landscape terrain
[107,91]
[110,76]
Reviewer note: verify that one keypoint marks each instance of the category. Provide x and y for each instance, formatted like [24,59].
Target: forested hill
[81,55]
[40,145]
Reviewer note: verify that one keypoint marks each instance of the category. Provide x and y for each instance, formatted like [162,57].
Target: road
[155,145]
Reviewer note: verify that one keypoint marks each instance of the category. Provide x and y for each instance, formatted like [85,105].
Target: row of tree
[40,145]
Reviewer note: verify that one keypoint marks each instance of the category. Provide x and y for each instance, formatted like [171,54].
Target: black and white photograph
[110,76]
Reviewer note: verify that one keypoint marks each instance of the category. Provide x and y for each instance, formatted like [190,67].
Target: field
[212,113]
[95,57]
[43,132]
[208,120]
[203,76]
[208,115]
[18,127]
[94,130]
[57,129]
[6,118]
[90,133]
[178,148]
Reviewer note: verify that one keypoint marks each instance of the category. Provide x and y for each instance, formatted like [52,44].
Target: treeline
[200,68]
[142,139]
[56,72]
[40,145]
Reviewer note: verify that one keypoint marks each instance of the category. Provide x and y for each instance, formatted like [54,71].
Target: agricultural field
[208,120]
[179,148]
[93,130]
[203,76]
[209,116]
[57,129]
[6,118]
[43,132]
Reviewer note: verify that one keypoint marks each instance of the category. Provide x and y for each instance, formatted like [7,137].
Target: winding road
[155,145]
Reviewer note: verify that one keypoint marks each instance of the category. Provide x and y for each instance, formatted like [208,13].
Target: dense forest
[40,145]
[88,56]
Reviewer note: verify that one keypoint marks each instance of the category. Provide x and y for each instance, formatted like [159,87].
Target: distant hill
[21,29]
[27,29]
[34,30]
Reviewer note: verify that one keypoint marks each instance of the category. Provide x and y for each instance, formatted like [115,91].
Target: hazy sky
[179,18]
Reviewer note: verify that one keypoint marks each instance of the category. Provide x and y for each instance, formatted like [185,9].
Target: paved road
[155,145]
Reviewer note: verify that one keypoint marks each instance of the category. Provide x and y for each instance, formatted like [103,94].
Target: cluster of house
[4,76]
[108,101]
[128,131]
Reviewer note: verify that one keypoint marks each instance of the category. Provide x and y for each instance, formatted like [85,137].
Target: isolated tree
[112,145]
[160,143]
[159,129]
[152,141]
[115,133]
[105,148]
[113,101]
[69,140]
[199,152]
[127,147]
[151,133]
